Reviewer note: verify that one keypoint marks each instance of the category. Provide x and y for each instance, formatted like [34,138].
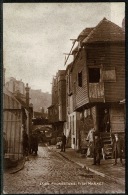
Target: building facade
[93,87]
[57,111]
[97,80]
[17,116]
[14,119]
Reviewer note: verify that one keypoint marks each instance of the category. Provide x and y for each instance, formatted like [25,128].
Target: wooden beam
[70,52]
[67,54]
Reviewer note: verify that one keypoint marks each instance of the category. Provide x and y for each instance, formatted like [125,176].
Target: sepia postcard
[64,106]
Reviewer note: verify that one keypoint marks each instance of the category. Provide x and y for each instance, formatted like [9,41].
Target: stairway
[107,144]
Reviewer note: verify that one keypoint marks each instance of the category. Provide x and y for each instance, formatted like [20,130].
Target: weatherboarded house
[15,119]
[98,78]
[57,111]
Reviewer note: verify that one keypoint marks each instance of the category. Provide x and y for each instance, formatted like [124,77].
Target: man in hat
[98,145]
[34,143]
[117,148]
[63,139]
[106,121]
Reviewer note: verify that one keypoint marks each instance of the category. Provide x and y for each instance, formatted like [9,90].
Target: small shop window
[80,79]
[94,75]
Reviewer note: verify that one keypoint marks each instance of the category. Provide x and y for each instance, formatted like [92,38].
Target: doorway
[103,118]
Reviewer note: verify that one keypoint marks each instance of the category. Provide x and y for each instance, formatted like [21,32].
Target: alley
[49,173]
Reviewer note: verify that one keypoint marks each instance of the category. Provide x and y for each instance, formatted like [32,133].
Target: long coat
[118,147]
[25,140]
[106,123]
[34,142]
[63,139]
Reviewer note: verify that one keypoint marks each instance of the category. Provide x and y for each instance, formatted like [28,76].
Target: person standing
[117,149]
[106,121]
[63,143]
[34,143]
[97,148]
[91,142]
[25,143]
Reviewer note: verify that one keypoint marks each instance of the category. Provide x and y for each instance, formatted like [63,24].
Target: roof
[82,36]
[23,103]
[75,50]
[84,33]
[10,94]
[105,31]
[51,106]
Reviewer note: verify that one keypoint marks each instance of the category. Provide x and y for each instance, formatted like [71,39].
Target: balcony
[96,92]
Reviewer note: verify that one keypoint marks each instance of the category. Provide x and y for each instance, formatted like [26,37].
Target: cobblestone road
[49,173]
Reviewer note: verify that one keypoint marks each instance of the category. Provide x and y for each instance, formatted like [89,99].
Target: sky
[36,36]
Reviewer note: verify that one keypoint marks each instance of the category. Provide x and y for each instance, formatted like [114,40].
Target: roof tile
[105,31]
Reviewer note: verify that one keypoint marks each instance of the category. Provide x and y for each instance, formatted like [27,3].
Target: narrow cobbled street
[49,173]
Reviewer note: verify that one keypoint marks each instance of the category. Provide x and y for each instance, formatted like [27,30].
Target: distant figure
[34,143]
[117,149]
[30,143]
[98,145]
[25,143]
[91,142]
[106,121]
[5,143]
[63,143]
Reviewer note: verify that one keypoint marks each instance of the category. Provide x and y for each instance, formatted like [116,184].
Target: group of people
[30,145]
[96,147]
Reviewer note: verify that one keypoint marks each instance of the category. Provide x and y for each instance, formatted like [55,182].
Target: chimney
[27,94]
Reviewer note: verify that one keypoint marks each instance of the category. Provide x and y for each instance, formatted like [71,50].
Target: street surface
[51,173]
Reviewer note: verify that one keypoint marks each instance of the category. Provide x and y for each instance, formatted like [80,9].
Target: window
[109,75]
[73,125]
[70,123]
[94,75]
[73,140]
[80,79]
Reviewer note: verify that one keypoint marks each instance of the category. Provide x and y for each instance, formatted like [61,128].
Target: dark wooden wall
[80,94]
[108,57]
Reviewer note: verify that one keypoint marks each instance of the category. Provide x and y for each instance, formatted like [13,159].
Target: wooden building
[98,78]
[72,117]
[17,116]
[14,119]
[57,111]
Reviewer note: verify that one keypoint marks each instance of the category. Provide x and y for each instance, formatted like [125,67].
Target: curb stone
[94,171]
[19,168]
